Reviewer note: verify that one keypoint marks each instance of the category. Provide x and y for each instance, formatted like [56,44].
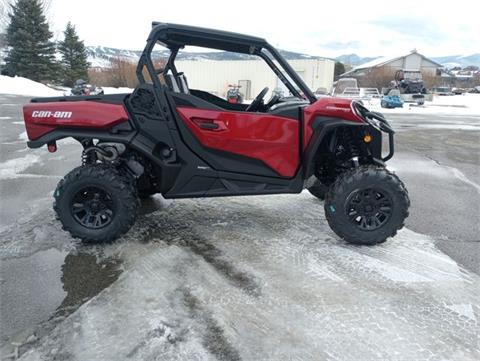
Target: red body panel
[271,139]
[41,118]
[328,107]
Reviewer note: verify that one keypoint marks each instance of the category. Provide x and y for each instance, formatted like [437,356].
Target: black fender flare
[322,126]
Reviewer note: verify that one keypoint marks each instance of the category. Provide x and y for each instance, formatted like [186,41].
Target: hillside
[100,56]
[448,61]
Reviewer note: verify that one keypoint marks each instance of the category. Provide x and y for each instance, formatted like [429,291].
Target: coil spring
[351,143]
[88,157]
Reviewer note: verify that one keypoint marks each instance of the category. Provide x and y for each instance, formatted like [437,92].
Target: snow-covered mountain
[354,59]
[100,56]
[462,61]
[449,61]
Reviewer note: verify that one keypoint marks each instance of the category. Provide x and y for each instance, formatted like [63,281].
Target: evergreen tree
[74,57]
[32,53]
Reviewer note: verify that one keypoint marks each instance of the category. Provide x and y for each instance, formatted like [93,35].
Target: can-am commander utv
[167,138]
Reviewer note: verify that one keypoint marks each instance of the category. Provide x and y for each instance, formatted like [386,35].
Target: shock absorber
[87,156]
[351,145]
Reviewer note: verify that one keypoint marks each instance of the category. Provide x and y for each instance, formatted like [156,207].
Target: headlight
[373,122]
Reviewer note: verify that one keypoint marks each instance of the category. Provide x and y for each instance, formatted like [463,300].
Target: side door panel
[265,138]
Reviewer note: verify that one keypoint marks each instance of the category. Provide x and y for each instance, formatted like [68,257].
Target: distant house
[387,65]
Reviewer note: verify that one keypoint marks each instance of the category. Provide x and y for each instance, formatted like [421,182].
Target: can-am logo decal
[50,114]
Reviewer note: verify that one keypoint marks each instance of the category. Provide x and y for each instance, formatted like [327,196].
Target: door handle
[209,126]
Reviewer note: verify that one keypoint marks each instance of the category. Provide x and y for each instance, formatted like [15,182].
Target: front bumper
[384,127]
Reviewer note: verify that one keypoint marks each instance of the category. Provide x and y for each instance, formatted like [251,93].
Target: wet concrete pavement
[441,168]
[45,275]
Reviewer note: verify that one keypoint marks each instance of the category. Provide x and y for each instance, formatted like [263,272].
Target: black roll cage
[175,37]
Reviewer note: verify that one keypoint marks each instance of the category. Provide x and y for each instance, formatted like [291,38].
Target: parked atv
[233,94]
[166,138]
[81,87]
[410,85]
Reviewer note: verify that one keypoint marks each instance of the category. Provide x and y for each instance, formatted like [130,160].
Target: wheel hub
[369,209]
[92,207]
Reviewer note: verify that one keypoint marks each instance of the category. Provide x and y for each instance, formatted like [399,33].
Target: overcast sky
[323,28]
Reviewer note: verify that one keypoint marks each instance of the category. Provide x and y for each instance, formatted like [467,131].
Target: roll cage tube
[279,73]
[145,60]
[292,73]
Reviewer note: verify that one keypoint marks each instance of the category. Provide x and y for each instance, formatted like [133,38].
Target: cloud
[313,27]
[424,29]
[341,45]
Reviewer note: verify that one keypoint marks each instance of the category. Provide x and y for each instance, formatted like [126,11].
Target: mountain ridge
[448,61]
[101,56]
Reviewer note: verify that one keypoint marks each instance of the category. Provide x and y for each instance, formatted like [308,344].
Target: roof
[176,35]
[385,60]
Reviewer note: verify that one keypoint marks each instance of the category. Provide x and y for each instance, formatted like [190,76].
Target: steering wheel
[255,105]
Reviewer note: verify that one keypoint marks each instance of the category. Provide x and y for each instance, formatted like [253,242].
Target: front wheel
[96,203]
[366,205]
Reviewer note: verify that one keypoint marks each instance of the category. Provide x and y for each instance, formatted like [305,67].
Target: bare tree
[431,80]
[5,6]
[377,78]
[120,73]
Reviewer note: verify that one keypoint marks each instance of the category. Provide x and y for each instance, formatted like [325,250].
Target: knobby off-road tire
[96,203]
[318,190]
[376,193]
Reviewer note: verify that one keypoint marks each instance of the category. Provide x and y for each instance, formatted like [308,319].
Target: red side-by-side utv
[167,138]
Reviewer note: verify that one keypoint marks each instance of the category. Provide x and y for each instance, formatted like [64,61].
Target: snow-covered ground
[23,86]
[263,278]
[468,104]
[111,90]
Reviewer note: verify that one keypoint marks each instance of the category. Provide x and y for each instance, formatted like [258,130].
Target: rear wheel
[96,203]
[366,205]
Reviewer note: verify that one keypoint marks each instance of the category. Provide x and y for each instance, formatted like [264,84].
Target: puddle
[39,290]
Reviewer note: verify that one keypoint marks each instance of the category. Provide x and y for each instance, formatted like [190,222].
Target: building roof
[386,60]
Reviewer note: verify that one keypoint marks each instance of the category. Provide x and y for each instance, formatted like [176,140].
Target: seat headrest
[182,82]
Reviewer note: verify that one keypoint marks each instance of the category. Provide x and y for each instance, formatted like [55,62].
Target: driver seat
[172,83]
[183,84]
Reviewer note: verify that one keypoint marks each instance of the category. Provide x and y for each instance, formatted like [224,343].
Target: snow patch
[110,90]
[11,168]
[463,310]
[23,136]
[23,86]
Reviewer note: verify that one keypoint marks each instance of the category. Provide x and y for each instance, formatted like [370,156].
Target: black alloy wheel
[369,209]
[92,207]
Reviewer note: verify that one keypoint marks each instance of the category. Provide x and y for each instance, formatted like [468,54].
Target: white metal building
[215,76]
[410,61]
